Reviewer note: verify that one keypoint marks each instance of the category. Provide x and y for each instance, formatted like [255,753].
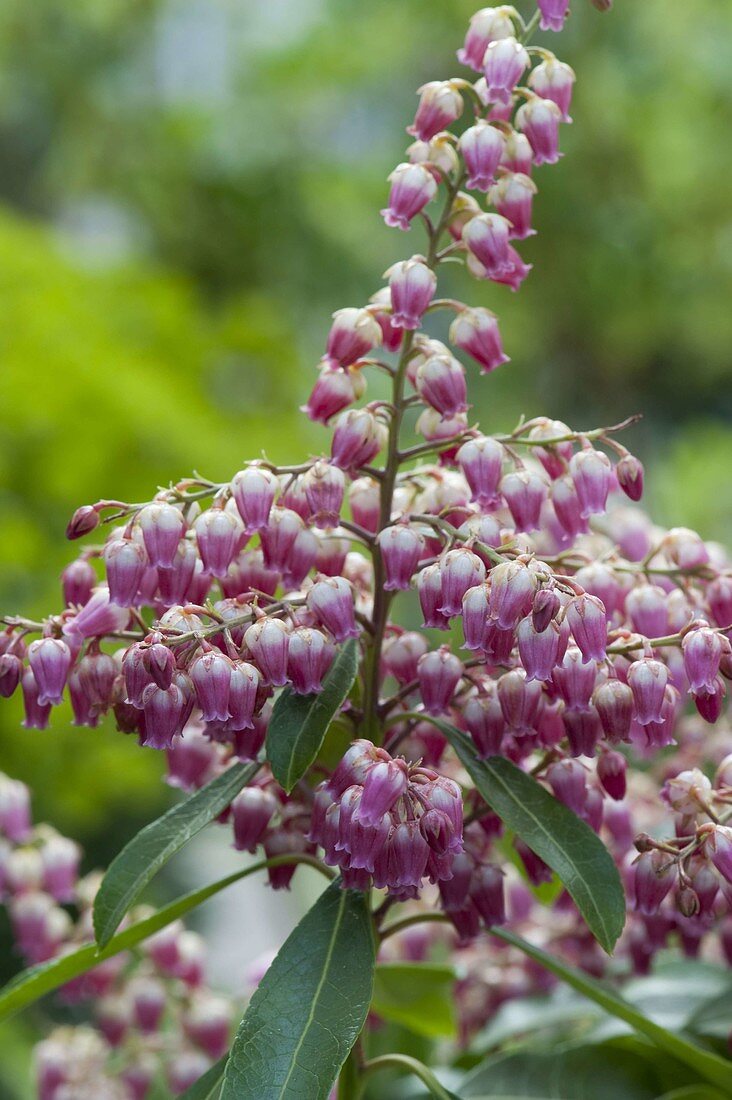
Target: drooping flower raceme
[562,629]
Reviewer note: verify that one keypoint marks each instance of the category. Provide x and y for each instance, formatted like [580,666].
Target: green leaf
[207,1087]
[587,1072]
[693,1092]
[309,1008]
[299,722]
[417,995]
[559,837]
[710,1066]
[141,859]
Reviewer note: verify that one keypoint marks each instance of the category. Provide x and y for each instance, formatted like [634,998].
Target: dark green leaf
[418,995]
[208,1087]
[709,1066]
[587,1072]
[309,1008]
[558,836]
[141,859]
[299,722]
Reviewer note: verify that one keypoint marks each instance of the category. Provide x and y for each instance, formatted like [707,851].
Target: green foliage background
[188,190]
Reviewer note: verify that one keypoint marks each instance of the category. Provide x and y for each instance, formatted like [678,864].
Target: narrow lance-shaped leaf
[299,722]
[710,1066]
[141,859]
[559,837]
[309,1008]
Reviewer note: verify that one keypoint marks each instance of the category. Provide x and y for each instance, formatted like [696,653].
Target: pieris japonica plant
[459,674]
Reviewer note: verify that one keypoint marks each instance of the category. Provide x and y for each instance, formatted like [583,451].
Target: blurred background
[188,189]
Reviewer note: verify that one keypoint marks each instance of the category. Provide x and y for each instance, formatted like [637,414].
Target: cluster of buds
[577,634]
[150,1015]
[387,823]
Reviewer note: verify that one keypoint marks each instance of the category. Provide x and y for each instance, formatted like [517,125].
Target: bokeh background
[188,188]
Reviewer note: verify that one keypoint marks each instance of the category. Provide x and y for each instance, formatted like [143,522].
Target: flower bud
[439,674]
[460,570]
[518,156]
[487,238]
[84,520]
[575,679]
[36,713]
[310,655]
[485,723]
[654,875]
[251,812]
[125,561]
[486,26]
[504,63]
[353,334]
[539,119]
[482,147]
[702,650]
[512,197]
[254,489]
[162,527]
[268,642]
[401,654]
[97,676]
[429,590]
[15,817]
[511,590]
[11,670]
[78,579]
[568,780]
[211,677]
[441,383]
[165,713]
[279,536]
[611,769]
[331,601]
[481,460]
[709,701]
[148,1003]
[356,439]
[554,80]
[401,548]
[588,622]
[476,332]
[646,607]
[412,187]
[50,660]
[540,651]
[647,679]
[613,701]
[61,858]
[525,491]
[334,391]
[207,1023]
[520,699]
[440,105]
[553,14]
[218,533]
[629,474]
[685,548]
[591,472]
[325,486]
[412,286]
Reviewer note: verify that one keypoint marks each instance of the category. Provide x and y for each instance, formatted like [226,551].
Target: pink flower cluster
[577,636]
[149,1014]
